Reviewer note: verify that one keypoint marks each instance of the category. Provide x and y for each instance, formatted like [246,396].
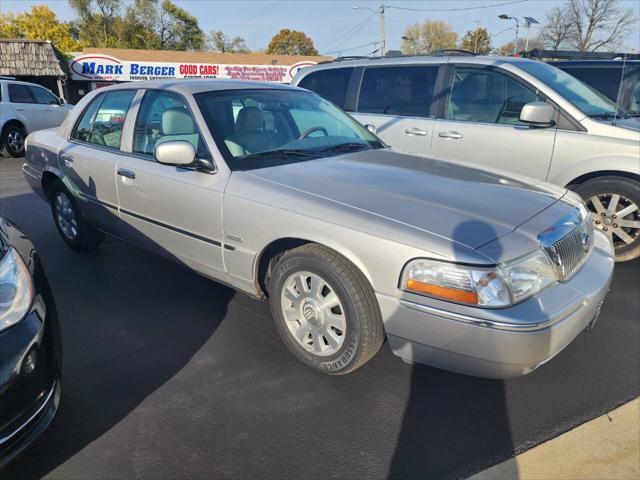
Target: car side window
[43,96]
[165,117]
[82,130]
[331,84]
[20,94]
[403,91]
[604,80]
[487,96]
[102,122]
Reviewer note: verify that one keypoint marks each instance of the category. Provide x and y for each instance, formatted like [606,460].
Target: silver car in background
[520,115]
[276,192]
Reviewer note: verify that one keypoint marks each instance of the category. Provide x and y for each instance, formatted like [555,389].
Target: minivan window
[604,80]
[487,96]
[165,117]
[405,90]
[102,122]
[583,97]
[19,94]
[331,84]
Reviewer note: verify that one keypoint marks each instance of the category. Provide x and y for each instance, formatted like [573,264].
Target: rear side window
[331,84]
[604,80]
[405,91]
[102,122]
[43,96]
[19,94]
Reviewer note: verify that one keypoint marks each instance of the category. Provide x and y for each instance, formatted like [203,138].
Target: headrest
[249,119]
[177,121]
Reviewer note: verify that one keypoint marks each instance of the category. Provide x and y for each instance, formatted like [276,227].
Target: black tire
[12,141]
[629,190]
[79,235]
[364,333]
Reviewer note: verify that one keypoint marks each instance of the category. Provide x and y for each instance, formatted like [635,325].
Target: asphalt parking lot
[169,375]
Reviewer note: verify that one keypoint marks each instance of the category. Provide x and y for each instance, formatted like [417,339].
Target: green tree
[291,42]
[219,42]
[478,41]
[428,37]
[40,23]
[177,29]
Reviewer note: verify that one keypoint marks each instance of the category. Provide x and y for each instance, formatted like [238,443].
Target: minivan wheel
[12,141]
[614,203]
[72,226]
[325,310]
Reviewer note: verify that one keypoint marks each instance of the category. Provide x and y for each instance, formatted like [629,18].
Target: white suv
[515,114]
[24,108]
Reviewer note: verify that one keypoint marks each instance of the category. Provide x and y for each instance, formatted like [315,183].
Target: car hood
[449,199]
[631,123]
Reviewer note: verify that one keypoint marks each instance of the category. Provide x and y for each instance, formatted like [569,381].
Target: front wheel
[72,226]
[614,203]
[12,141]
[325,310]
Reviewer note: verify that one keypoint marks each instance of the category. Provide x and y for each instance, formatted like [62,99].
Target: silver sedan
[276,192]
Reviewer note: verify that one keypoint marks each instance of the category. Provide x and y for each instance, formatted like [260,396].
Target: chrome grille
[568,243]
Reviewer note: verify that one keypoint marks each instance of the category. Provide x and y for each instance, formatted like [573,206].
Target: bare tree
[219,42]
[558,30]
[598,24]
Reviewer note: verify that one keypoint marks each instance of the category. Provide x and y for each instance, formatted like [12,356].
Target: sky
[336,27]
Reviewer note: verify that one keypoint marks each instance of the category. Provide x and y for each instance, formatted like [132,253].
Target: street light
[504,16]
[528,21]
[380,13]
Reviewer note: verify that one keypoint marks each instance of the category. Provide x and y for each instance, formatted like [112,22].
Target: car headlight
[16,289]
[498,286]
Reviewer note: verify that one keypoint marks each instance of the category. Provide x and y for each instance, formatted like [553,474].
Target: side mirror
[538,114]
[177,152]
[371,128]
[61,101]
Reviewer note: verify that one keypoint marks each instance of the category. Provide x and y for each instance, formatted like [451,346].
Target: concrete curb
[607,447]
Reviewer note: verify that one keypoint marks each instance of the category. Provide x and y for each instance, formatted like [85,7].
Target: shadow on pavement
[120,347]
[445,429]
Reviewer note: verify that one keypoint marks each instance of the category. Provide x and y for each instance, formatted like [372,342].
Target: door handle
[19,108]
[67,159]
[452,135]
[415,131]
[126,173]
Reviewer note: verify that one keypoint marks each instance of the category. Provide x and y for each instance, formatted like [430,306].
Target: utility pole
[475,47]
[383,38]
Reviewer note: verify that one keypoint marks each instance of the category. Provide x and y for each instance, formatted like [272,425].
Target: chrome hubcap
[15,141]
[617,216]
[65,216]
[313,313]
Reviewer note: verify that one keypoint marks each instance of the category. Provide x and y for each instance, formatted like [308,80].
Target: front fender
[602,164]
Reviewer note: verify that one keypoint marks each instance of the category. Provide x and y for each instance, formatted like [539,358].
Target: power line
[455,9]
[352,32]
[354,48]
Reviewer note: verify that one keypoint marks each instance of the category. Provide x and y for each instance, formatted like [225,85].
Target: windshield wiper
[604,115]
[284,153]
[344,147]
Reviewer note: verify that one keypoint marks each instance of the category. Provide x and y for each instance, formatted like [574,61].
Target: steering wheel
[306,133]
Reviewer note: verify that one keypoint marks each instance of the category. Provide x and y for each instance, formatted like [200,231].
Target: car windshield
[583,97]
[266,127]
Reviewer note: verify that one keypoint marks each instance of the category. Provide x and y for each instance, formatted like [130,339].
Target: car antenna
[624,63]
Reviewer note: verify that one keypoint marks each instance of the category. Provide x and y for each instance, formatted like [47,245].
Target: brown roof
[203,57]
[36,58]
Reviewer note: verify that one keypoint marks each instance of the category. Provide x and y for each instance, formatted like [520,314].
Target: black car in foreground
[30,346]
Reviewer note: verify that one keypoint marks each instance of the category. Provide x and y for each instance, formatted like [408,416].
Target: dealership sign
[96,67]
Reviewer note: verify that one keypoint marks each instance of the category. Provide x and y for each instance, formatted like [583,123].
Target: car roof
[416,60]
[191,86]
[11,80]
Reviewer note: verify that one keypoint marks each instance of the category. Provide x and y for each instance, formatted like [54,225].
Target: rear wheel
[72,226]
[325,310]
[614,203]
[13,136]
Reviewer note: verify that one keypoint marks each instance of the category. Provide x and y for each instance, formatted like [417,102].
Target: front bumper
[499,343]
